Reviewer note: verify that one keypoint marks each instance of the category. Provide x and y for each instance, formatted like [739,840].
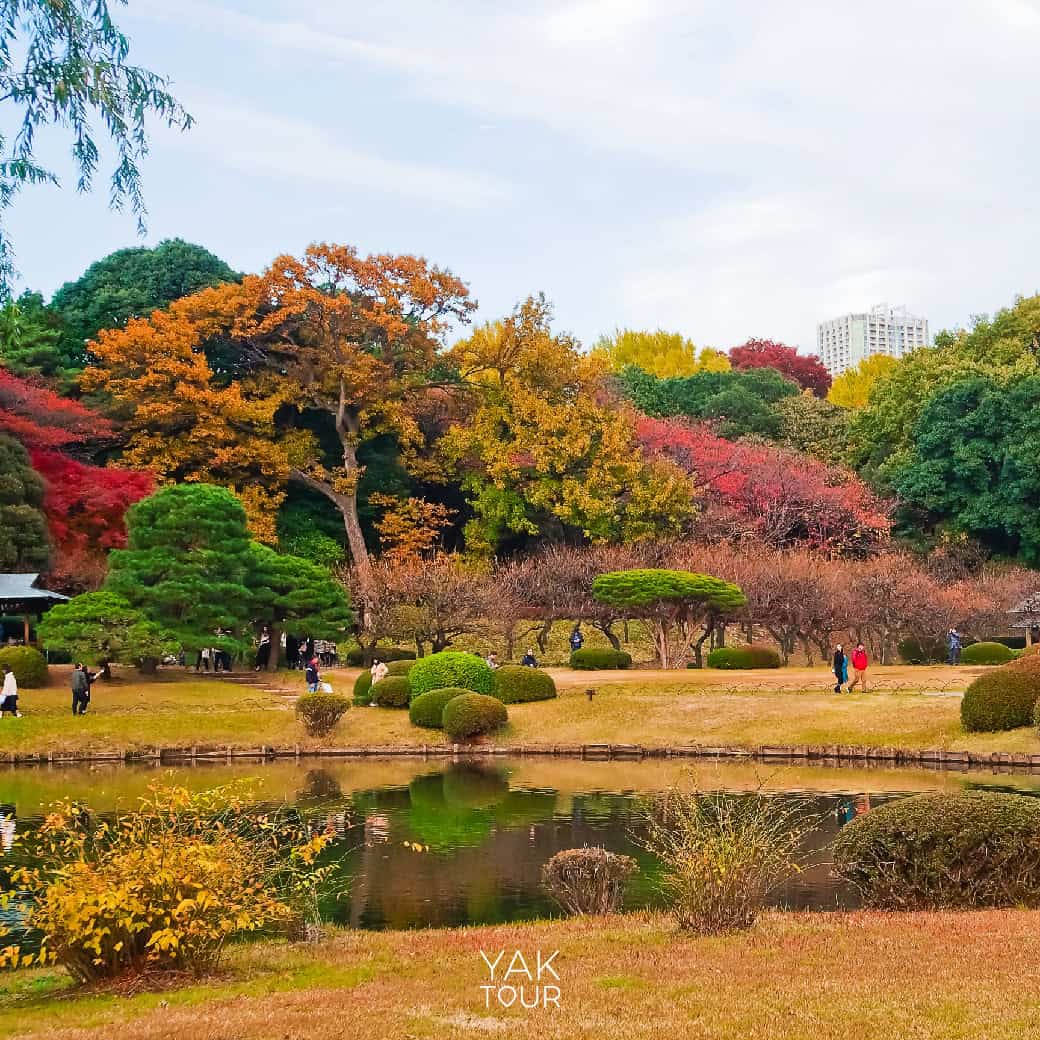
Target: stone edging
[821,754]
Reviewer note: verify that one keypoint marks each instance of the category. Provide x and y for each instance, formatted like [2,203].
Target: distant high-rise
[844,342]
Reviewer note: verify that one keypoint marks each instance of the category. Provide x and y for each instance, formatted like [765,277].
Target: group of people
[81,680]
[859,661]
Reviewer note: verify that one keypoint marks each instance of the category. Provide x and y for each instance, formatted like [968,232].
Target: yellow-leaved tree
[543,451]
[662,354]
[852,388]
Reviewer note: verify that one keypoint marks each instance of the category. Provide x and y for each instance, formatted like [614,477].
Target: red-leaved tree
[40,418]
[85,507]
[805,369]
[780,497]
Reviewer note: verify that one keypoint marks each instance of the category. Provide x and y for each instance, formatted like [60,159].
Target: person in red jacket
[859,668]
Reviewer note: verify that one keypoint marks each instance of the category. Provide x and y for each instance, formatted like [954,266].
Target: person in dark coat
[529,660]
[840,666]
[312,675]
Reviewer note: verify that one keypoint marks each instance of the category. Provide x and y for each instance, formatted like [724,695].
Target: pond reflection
[427,844]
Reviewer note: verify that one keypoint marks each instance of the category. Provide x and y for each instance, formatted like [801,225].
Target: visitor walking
[202,664]
[529,660]
[859,668]
[312,676]
[379,671]
[80,689]
[841,668]
[9,695]
[953,646]
[577,639]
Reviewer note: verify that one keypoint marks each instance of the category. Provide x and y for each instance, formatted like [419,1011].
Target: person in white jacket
[9,695]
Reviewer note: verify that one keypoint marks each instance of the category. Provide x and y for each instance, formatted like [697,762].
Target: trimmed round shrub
[356,656]
[516,684]
[593,659]
[451,668]
[427,710]
[987,653]
[28,664]
[402,667]
[937,851]
[391,692]
[1029,664]
[472,715]
[363,689]
[923,650]
[1003,699]
[733,658]
[320,712]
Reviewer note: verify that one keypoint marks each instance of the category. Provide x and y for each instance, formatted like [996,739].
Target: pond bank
[824,754]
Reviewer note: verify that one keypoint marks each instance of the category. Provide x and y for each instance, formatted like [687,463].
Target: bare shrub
[723,853]
[588,881]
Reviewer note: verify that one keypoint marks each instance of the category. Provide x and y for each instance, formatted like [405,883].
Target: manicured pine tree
[186,564]
[291,594]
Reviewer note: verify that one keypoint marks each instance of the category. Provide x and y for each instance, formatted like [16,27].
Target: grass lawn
[908,707]
[859,976]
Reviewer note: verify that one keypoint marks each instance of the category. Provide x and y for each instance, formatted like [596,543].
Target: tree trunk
[543,637]
[698,647]
[607,628]
[274,650]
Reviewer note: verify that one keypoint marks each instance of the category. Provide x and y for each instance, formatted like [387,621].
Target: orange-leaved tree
[284,376]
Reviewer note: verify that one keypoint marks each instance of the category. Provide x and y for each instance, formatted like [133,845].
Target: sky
[722,169]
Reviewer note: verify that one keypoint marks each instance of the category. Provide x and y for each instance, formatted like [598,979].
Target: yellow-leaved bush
[163,887]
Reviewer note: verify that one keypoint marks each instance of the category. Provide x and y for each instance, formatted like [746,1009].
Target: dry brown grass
[860,976]
[907,707]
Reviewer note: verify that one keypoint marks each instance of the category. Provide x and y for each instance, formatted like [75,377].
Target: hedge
[515,684]
[29,665]
[987,653]
[363,688]
[471,715]
[923,651]
[391,692]
[320,712]
[1002,699]
[937,851]
[402,667]
[732,658]
[427,710]
[451,668]
[356,656]
[593,659]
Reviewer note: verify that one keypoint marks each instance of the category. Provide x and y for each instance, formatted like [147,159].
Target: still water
[486,829]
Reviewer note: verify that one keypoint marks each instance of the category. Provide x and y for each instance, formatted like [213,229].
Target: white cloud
[780,163]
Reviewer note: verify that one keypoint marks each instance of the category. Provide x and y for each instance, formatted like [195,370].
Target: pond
[486,828]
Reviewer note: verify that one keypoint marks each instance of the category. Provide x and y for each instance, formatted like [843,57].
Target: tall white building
[844,342]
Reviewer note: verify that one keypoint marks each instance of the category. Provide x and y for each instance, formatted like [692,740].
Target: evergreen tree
[186,564]
[293,595]
[24,545]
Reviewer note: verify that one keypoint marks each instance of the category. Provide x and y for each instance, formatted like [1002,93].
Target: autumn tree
[40,418]
[283,376]
[681,608]
[852,388]
[541,452]
[804,369]
[782,499]
[660,353]
[813,427]
[85,507]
